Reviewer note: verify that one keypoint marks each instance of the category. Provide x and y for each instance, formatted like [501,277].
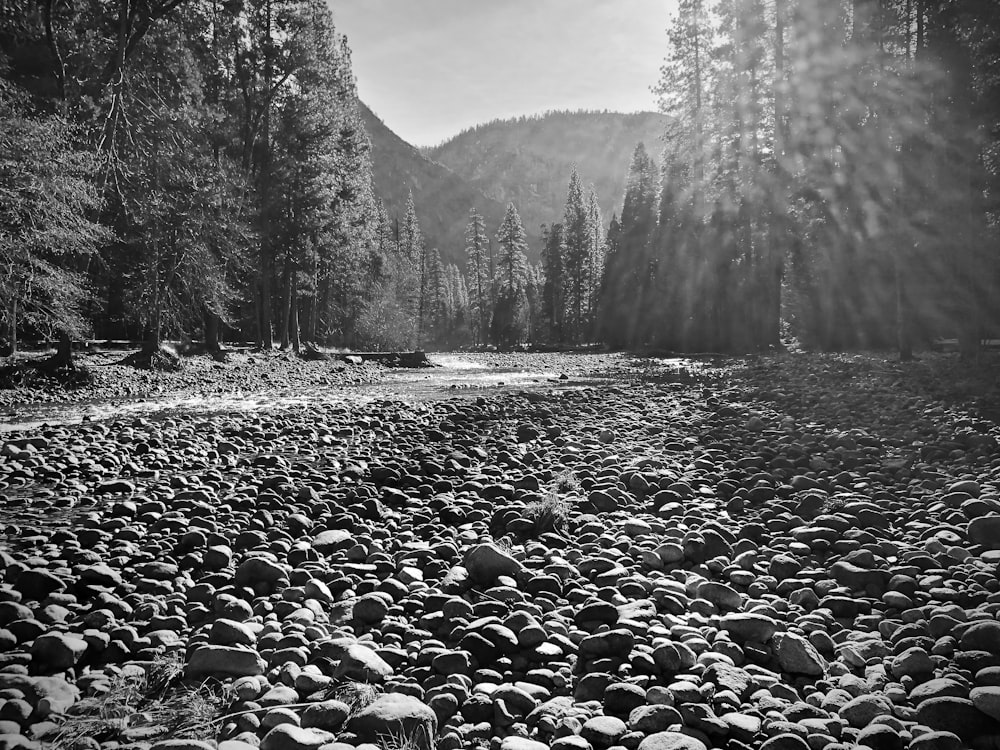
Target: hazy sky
[430,68]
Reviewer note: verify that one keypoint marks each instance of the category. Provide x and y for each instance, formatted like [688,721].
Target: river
[451,376]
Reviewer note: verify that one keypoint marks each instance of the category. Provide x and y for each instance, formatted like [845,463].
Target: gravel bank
[801,554]
[241,371]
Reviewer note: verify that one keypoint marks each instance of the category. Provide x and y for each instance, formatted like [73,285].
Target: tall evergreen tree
[510,317]
[626,289]
[47,196]
[480,276]
[597,250]
[411,247]
[553,305]
[575,253]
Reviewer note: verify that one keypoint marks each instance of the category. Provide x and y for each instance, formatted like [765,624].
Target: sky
[431,68]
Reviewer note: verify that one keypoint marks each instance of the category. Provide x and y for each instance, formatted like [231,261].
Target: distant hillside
[442,198]
[528,160]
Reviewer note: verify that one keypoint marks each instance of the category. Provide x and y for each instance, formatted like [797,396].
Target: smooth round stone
[721,595]
[650,719]
[913,662]
[785,741]
[987,700]
[881,737]
[291,737]
[179,745]
[957,715]
[603,731]
[985,531]
[571,742]
[522,743]
[937,688]
[277,716]
[394,713]
[749,626]
[937,741]
[671,741]
[859,712]
[328,715]
[227,632]
[798,656]
[982,636]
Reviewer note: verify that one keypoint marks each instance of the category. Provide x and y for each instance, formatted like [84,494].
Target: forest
[198,169]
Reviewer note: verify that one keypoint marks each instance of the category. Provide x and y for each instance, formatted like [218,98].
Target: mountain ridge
[528,160]
[442,198]
[525,160]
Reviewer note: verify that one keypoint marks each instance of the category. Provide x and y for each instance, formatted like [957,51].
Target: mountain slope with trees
[526,161]
[442,197]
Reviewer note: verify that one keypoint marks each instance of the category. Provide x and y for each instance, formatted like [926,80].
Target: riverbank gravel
[799,552]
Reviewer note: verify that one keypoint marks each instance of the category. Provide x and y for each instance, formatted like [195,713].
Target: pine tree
[411,248]
[352,234]
[435,304]
[685,77]
[553,307]
[626,290]
[480,275]
[47,194]
[510,317]
[575,260]
[596,253]
[457,313]
[387,321]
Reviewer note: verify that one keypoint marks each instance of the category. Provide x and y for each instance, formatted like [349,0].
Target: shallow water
[452,377]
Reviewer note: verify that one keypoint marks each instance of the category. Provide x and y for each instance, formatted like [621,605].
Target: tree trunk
[152,337]
[12,329]
[286,309]
[904,313]
[211,325]
[63,356]
[265,337]
[294,321]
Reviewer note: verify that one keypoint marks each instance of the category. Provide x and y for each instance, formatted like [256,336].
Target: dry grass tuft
[417,739]
[565,482]
[551,513]
[154,704]
[357,695]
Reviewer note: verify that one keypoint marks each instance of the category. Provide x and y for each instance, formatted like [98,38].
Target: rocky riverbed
[799,553]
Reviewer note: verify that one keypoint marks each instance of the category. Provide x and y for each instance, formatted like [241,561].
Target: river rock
[957,715]
[985,531]
[982,636]
[987,700]
[671,741]
[487,562]
[748,626]
[396,715]
[57,652]
[224,661]
[797,655]
[362,664]
[291,737]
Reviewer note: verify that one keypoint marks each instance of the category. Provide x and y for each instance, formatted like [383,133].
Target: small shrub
[551,513]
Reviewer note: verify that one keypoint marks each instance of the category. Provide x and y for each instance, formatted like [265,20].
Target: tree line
[189,167]
[831,174]
[199,167]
